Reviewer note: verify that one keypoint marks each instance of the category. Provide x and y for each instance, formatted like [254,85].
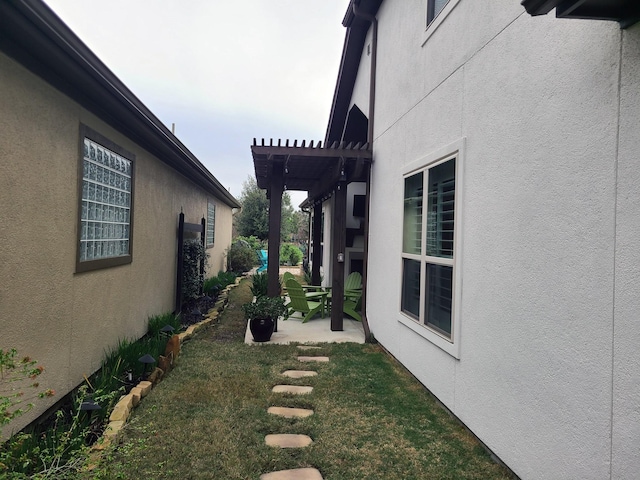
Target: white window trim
[433,26]
[452,345]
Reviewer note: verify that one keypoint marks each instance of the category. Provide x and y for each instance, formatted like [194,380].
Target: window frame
[211,224]
[450,344]
[90,265]
[432,25]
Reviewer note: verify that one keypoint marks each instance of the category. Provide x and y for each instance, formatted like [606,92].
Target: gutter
[33,35]
[372,102]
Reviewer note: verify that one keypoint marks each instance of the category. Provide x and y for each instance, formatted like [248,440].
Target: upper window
[429,247]
[211,223]
[105,203]
[433,9]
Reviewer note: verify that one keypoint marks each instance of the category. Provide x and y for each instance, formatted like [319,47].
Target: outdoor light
[146,360]
[196,311]
[89,405]
[168,329]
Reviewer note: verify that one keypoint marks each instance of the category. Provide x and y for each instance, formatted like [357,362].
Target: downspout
[372,101]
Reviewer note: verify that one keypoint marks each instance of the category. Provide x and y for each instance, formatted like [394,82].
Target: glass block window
[211,223]
[105,205]
[428,246]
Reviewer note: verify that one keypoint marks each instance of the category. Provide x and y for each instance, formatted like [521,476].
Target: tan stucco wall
[66,320]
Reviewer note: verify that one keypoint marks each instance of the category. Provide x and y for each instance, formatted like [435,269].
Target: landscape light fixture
[168,329]
[88,405]
[146,360]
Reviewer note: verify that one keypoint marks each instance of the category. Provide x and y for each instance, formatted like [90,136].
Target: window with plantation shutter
[428,248]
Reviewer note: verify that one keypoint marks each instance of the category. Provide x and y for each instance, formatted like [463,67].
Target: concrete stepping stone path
[299,373]
[295,474]
[313,359]
[295,389]
[290,412]
[288,440]
[294,440]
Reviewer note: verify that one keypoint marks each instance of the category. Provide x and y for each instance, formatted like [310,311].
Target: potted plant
[262,314]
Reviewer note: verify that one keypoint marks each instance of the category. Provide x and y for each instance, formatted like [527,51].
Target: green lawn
[208,418]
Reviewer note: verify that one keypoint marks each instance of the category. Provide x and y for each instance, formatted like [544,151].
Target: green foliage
[193,253]
[290,254]
[156,323]
[253,219]
[254,242]
[241,257]
[260,282]
[18,385]
[266,307]
[307,275]
[57,447]
[214,284]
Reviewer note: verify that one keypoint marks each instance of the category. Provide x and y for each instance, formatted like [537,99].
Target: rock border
[127,403]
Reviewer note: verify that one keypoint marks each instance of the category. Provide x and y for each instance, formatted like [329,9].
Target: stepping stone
[313,359]
[298,390]
[308,347]
[299,373]
[288,440]
[295,474]
[289,412]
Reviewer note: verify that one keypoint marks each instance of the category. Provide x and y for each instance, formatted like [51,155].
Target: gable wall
[65,320]
[536,101]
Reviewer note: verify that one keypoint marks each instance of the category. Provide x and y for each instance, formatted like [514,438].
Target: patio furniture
[263,258]
[352,296]
[299,302]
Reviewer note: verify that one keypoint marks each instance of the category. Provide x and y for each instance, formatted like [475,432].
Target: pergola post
[275,221]
[339,234]
[317,247]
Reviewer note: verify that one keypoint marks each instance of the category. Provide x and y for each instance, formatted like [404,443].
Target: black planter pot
[261,329]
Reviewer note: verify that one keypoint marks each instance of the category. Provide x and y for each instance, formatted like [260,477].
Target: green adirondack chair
[353,281]
[300,303]
[352,295]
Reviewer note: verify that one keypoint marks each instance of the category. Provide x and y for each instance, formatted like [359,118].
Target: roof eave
[36,37]
[355,36]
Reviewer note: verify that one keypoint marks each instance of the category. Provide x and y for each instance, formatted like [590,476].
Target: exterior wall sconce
[341,258]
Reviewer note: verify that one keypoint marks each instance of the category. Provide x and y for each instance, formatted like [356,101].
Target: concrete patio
[316,330]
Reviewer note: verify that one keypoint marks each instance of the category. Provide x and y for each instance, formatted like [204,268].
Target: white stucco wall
[626,360]
[548,369]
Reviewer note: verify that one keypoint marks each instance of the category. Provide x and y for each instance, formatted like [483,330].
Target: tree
[253,219]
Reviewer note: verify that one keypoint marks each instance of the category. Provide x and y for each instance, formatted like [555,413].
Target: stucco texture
[67,320]
[548,369]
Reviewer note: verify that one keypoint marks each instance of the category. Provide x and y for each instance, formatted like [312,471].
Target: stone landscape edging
[127,403]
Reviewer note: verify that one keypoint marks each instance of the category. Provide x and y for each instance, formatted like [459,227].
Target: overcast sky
[224,71]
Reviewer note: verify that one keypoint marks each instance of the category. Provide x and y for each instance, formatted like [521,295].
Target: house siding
[548,369]
[68,320]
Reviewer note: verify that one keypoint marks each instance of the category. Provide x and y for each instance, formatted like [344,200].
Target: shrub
[193,253]
[241,257]
[254,242]
[158,321]
[214,284]
[291,254]
[260,284]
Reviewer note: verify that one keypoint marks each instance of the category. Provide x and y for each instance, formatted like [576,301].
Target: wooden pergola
[322,172]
